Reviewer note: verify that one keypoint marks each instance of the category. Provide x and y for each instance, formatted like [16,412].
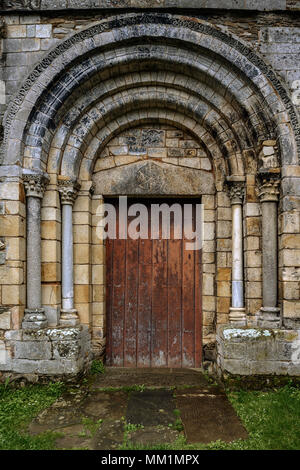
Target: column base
[69,317]
[34,319]
[269,317]
[237,316]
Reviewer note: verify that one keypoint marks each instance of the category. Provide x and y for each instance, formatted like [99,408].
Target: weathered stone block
[208,284]
[66,349]
[33,350]
[3,353]
[51,294]
[82,253]
[81,274]
[13,295]
[82,293]
[223,304]
[43,30]
[265,352]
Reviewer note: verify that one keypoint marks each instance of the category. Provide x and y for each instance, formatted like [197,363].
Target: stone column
[237,315]
[68,191]
[35,185]
[269,316]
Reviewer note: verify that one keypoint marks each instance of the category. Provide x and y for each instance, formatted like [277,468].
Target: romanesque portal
[152,104]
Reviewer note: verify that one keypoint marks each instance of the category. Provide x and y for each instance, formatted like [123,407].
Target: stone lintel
[150,178]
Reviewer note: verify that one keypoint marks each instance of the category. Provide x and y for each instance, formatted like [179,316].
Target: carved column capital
[68,189]
[35,184]
[236,191]
[268,186]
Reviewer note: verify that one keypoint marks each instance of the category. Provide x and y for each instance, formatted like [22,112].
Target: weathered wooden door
[153,302]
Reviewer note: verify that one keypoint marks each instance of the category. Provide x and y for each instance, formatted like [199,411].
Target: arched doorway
[130,71]
[153,284]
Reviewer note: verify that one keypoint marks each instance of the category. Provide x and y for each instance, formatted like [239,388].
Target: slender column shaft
[67,258]
[34,289]
[68,190]
[34,184]
[269,316]
[237,257]
[237,315]
[269,247]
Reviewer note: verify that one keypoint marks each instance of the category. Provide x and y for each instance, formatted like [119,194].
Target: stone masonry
[183,98]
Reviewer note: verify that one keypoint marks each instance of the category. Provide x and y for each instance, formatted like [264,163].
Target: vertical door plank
[144,304]
[109,296]
[174,302]
[159,304]
[131,304]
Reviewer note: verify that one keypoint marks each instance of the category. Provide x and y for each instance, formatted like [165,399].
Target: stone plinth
[62,352]
[258,351]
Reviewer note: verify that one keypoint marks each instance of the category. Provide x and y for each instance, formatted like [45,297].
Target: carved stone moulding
[236,188]
[269,185]
[35,184]
[68,189]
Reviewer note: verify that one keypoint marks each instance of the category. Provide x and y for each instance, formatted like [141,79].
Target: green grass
[18,406]
[271,418]
[97,367]
[126,389]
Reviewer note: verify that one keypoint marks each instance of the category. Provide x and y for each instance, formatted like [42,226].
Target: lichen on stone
[245,333]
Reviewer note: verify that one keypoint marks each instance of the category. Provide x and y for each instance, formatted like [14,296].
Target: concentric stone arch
[118,30]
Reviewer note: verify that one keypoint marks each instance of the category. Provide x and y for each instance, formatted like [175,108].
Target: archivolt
[198,72]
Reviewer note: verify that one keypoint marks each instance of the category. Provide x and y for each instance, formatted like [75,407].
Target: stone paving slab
[208,416]
[150,377]
[102,415]
[153,435]
[151,408]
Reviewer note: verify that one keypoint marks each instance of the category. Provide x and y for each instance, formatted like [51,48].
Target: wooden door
[153,302]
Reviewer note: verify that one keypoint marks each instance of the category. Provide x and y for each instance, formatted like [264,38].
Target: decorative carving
[35,184]
[236,192]
[151,18]
[268,155]
[268,190]
[149,177]
[68,189]
[22,4]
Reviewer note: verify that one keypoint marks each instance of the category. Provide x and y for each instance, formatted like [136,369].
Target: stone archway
[132,70]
